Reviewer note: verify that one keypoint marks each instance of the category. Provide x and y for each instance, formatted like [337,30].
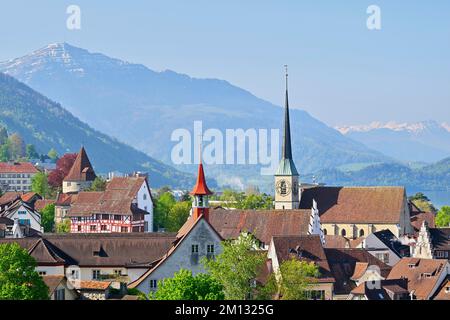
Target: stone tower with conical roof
[286,176]
[80,176]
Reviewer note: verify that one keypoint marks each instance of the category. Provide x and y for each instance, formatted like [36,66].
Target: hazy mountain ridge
[434,177]
[143,107]
[425,141]
[46,124]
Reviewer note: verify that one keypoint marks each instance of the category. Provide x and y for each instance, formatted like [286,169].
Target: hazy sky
[340,72]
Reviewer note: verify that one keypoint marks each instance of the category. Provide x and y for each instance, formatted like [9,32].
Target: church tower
[286,176]
[201,193]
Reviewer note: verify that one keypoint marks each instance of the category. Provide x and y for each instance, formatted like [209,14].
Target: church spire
[286,176]
[287,151]
[287,166]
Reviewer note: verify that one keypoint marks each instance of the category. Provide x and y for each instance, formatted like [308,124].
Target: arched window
[361,233]
[325,232]
[343,233]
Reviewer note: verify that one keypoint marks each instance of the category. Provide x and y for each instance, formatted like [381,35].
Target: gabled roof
[343,263]
[305,248]
[418,219]
[443,293]
[113,250]
[356,204]
[382,290]
[45,253]
[422,274]
[182,234]
[17,167]
[118,198]
[82,169]
[263,224]
[65,199]
[11,196]
[13,207]
[41,204]
[52,282]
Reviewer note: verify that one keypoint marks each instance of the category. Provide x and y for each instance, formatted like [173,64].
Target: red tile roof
[82,169]
[93,285]
[343,264]
[41,204]
[305,248]
[263,224]
[356,204]
[422,274]
[17,167]
[118,198]
[419,218]
[65,199]
[443,293]
[12,196]
[52,281]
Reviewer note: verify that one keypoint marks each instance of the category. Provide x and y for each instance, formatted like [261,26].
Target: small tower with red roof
[201,193]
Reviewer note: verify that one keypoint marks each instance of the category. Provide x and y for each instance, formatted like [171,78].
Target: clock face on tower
[283,187]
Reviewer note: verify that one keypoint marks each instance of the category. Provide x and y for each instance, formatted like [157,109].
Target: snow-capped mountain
[57,57]
[413,127]
[424,141]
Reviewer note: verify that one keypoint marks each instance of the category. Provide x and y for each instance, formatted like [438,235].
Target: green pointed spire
[287,166]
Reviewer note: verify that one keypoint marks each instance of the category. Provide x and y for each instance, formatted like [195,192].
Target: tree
[163,190]
[237,267]
[48,217]
[422,202]
[31,152]
[63,166]
[18,277]
[184,286]
[52,154]
[99,184]
[178,215]
[5,152]
[163,204]
[3,135]
[17,146]
[232,198]
[136,292]
[257,201]
[39,184]
[63,226]
[186,197]
[443,217]
[295,277]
